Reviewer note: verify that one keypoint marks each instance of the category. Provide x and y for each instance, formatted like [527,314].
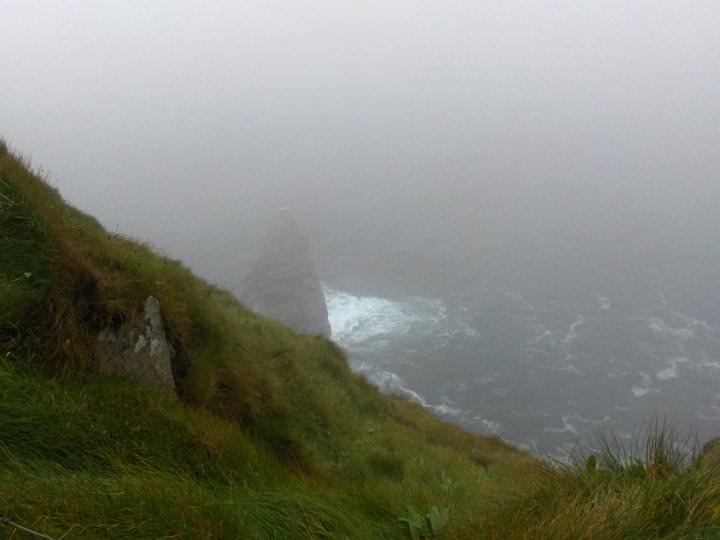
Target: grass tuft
[654,485]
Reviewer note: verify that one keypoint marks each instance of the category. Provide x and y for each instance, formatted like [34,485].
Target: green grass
[657,485]
[101,457]
[105,458]
[272,436]
[24,264]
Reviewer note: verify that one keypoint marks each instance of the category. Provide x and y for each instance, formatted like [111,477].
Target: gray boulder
[283,284]
[139,350]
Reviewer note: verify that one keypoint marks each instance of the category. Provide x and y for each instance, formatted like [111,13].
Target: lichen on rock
[139,350]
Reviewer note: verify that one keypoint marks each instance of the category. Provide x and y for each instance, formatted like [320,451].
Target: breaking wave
[358,319]
[358,322]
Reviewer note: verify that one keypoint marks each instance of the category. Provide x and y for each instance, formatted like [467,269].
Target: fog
[556,150]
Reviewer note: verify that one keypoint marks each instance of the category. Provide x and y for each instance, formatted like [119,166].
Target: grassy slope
[274,437]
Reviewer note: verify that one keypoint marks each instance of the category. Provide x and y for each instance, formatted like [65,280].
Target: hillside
[271,435]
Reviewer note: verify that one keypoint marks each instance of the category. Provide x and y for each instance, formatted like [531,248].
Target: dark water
[501,364]
[549,350]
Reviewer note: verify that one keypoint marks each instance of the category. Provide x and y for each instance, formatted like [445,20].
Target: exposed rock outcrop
[283,284]
[139,350]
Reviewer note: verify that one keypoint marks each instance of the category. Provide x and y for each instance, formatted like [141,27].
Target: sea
[548,377]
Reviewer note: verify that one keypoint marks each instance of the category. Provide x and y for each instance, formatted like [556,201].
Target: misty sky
[173,120]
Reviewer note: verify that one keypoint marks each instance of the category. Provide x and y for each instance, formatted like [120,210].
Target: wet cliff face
[283,284]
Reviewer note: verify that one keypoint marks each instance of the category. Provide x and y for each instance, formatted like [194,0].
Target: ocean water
[546,378]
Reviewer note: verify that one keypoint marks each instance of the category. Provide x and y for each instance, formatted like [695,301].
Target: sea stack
[283,284]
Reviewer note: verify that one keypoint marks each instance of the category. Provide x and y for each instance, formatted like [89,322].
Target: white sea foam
[668,373]
[490,425]
[570,428]
[444,409]
[539,334]
[461,386]
[358,319]
[487,379]
[672,371]
[690,322]
[646,386]
[567,367]
[711,364]
[659,326]
[707,362]
[392,383]
[520,299]
[572,334]
[358,322]
[567,427]
[603,302]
